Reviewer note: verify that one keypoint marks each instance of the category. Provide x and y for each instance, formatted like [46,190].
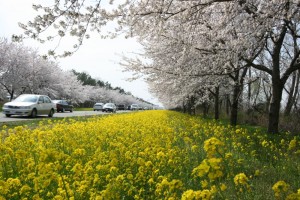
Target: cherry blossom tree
[14,59]
[24,71]
[67,86]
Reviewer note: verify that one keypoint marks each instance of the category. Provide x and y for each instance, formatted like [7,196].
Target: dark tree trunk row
[292,93]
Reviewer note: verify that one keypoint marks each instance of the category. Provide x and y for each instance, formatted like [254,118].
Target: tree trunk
[277,85]
[205,107]
[237,90]
[183,107]
[191,105]
[228,105]
[249,91]
[292,94]
[234,105]
[11,95]
[274,111]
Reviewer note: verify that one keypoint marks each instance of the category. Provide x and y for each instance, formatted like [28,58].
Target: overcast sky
[97,57]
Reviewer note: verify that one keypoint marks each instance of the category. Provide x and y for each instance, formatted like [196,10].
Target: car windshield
[26,98]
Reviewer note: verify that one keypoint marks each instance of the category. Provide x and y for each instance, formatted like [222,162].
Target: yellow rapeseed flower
[202,169]
[292,144]
[212,146]
[240,179]
[132,156]
[204,184]
[188,195]
[223,187]
[280,188]
[265,143]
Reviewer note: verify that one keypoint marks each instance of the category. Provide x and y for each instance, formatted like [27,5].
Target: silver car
[134,107]
[109,107]
[98,106]
[29,105]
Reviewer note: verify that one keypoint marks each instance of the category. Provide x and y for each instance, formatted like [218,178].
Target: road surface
[3,118]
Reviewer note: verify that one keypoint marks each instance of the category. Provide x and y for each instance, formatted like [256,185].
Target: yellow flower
[265,143]
[253,153]
[223,187]
[237,131]
[160,155]
[212,145]
[151,181]
[113,169]
[202,169]
[25,190]
[13,182]
[215,174]
[79,152]
[279,188]
[292,144]
[293,196]
[188,195]
[195,148]
[149,164]
[129,176]
[228,155]
[204,184]
[132,156]
[240,161]
[205,195]
[240,179]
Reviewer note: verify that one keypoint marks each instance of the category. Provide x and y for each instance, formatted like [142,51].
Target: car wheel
[7,115]
[51,113]
[71,110]
[33,113]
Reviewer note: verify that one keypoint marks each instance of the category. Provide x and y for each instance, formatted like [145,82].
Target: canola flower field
[147,155]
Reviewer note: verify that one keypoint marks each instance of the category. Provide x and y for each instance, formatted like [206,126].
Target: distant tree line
[86,79]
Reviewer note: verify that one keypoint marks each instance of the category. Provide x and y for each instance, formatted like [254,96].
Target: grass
[34,123]
[83,109]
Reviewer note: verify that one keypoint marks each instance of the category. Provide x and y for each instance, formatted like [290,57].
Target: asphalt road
[3,118]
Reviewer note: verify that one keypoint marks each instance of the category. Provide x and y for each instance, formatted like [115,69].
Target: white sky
[97,57]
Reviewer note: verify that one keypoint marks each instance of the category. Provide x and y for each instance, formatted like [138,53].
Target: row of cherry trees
[23,70]
[208,47]
[194,50]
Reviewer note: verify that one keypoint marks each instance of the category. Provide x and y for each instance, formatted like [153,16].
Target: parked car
[63,105]
[134,107]
[29,105]
[98,106]
[109,107]
[121,107]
